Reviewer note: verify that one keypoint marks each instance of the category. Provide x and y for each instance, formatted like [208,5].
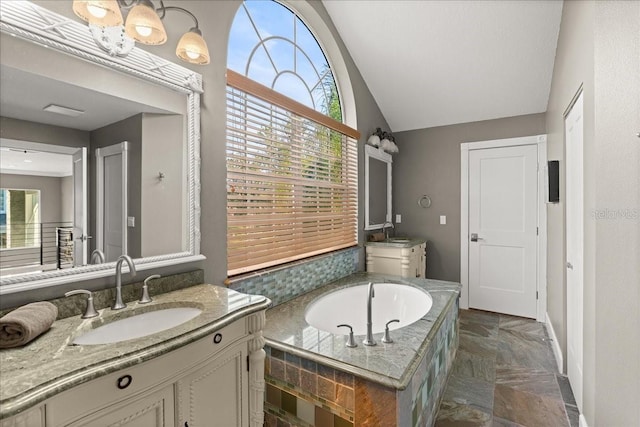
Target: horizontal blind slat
[291,181]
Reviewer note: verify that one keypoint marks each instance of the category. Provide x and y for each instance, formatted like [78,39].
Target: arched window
[291,161]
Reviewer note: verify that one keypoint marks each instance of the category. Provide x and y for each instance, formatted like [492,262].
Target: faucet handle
[90,310]
[351,342]
[145,289]
[387,338]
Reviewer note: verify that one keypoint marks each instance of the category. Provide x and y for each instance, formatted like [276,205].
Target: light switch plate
[398,218]
[443,219]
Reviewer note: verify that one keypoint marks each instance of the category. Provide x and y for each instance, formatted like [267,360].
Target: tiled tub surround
[314,379]
[49,365]
[282,284]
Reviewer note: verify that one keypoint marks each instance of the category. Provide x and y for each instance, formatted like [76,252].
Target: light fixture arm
[164,9]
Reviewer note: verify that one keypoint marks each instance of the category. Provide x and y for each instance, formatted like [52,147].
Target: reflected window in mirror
[377,207]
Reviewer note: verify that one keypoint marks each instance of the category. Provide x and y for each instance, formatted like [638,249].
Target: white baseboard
[555,345]
[582,421]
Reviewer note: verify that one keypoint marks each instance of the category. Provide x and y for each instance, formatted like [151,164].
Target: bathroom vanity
[173,377]
[398,256]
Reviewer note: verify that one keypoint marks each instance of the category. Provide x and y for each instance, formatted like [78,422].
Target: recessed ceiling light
[28,161]
[65,111]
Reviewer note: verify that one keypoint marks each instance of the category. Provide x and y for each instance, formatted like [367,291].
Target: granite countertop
[49,364]
[393,242]
[391,365]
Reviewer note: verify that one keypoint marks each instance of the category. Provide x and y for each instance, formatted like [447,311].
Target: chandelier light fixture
[143,24]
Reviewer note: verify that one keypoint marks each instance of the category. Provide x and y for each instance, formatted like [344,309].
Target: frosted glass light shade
[103,13]
[144,25]
[192,48]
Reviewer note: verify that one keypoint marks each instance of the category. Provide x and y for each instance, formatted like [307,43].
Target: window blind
[292,179]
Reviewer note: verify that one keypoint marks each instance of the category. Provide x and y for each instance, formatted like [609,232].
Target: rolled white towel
[26,323]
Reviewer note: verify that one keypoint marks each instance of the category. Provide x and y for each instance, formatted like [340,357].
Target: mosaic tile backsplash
[283,284]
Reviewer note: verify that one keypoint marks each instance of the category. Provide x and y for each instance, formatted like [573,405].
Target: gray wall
[615,164]
[573,67]
[45,134]
[163,202]
[429,163]
[599,48]
[50,193]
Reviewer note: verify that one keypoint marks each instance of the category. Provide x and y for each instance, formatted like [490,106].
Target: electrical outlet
[131,221]
[443,219]
[398,218]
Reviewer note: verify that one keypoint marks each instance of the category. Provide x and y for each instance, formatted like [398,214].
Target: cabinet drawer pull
[217,338]
[124,381]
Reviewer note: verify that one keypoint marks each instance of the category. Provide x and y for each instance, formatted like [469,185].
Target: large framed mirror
[377,187]
[100,154]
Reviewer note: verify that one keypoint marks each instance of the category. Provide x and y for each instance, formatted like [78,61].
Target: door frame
[571,166]
[101,153]
[541,268]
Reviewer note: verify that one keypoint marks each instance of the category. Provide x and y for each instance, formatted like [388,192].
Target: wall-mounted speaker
[553,167]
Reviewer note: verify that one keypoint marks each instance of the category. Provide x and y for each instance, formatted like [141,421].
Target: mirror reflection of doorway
[59,174]
[111,225]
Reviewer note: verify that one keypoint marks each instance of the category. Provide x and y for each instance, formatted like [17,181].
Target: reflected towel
[26,323]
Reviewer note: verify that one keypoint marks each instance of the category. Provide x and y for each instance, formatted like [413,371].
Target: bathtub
[308,361]
[392,301]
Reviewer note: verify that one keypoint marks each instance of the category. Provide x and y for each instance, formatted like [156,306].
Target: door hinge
[536,231]
[248,363]
[536,294]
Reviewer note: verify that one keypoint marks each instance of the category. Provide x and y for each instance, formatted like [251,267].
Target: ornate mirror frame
[39,25]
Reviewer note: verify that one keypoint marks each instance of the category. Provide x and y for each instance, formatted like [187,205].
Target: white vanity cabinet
[215,380]
[407,261]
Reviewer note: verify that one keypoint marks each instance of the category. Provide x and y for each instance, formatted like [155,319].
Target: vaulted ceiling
[433,63]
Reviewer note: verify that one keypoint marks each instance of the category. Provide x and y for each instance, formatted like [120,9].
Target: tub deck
[391,365]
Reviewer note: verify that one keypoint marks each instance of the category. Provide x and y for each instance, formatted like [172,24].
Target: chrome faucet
[97,255]
[385,229]
[118,304]
[370,295]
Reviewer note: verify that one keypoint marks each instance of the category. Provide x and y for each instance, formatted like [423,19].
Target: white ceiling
[434,63]
[24,95]
[30,162]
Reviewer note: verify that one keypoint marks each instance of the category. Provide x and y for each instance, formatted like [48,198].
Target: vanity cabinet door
[403,262]
[215,394]
[154,409]
[31,418]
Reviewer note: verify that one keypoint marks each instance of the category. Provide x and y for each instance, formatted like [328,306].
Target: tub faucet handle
[351,342]
[387,338]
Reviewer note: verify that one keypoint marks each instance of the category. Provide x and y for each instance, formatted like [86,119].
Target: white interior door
[111,224]
[575,222]
[503,192]
[80,207]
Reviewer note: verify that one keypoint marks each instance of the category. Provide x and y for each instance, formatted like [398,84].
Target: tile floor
[505,375]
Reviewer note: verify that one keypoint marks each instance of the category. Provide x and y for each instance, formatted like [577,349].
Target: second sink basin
[137,326]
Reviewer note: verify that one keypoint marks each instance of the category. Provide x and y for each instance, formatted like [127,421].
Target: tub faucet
[118,304]
[370,295]
[385,229]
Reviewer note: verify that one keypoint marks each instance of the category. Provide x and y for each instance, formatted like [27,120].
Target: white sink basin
[399,239]
[138,326]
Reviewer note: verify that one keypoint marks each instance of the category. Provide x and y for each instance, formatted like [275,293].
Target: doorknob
[569,266]
[475,238]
